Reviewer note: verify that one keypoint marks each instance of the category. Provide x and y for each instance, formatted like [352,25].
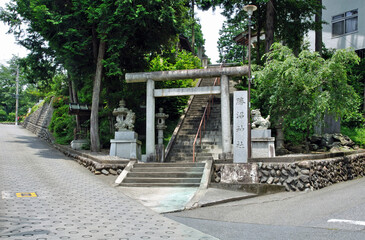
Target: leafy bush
[62,124]
[356,134]
[299,91]
[3,115]
[60,101]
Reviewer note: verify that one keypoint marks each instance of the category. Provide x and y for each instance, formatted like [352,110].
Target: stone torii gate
[152,93]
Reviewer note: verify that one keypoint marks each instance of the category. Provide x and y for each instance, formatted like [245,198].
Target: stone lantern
[125,143]
[160,148]
[125,117]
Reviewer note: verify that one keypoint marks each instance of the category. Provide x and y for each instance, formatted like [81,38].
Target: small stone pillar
[160,147]
[125,143]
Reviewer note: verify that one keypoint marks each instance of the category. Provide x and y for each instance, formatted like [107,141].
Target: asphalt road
[335,212]
[69,202]
[45,195]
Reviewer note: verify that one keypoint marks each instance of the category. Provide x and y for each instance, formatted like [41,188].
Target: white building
[345,25]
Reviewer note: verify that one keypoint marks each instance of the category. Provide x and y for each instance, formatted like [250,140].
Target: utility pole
[17,95]
[249,9]
[193,27]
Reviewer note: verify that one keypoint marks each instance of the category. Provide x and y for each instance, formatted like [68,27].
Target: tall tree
[318,32]
[285,20]
[230,51]
[289,87]
[269,28]
[8,91]
[98,38]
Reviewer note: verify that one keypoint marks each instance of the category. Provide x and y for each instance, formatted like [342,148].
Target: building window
[344,23]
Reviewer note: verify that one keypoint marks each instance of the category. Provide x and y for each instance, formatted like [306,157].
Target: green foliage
[229,50]
[75,30]
[355,119]
[60,101]
[8,91]
[3,115]
[174,60]
[292,19]
[62,124]
[302,89]
[59,85]
[106,129]
[356,134]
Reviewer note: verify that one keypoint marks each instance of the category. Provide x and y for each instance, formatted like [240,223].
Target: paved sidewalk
[63,200]
[166,200]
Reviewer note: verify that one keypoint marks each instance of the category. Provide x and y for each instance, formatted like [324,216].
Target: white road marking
[361,223]
[5,195]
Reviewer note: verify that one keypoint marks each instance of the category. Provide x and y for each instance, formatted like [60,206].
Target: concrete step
[168,165]
[161,180]
[171,169]
[159,184]
[165,174]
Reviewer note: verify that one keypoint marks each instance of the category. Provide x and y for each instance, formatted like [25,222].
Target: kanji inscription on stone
[240,122]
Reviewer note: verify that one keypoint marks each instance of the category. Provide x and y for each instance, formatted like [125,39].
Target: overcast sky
[211,23]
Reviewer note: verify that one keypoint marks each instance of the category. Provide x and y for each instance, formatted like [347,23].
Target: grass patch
[356,134]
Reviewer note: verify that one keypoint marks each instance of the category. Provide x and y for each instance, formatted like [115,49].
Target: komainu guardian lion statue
[258,121]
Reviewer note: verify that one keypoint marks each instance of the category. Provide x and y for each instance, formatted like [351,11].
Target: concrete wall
[355,40]
[295,176]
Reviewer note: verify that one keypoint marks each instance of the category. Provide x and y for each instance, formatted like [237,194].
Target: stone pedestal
[126,145]
[262,143]
[78,144]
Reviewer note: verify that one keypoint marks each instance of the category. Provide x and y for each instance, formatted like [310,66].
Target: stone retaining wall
[99,164]
[296,176]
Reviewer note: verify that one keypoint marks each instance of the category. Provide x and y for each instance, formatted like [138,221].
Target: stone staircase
[38,121]
[182,150]
[163,175]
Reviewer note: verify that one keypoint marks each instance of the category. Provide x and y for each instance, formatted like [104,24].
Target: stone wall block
[304,178]
[265,172]
[270,180]
[284,172]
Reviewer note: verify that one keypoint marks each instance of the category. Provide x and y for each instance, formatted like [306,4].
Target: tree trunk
[193,27]
[94,118]
[259,26]
[269,33]
[74,99]
[70,93]
[363,107]
[95,43]
[318,36]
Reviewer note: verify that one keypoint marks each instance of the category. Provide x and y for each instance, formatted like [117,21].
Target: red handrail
[202,121]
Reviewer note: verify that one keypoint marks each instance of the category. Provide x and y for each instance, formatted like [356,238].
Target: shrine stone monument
[262,144]
[240,122]
[125,143]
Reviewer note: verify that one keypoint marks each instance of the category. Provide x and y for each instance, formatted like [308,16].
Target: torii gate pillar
[150,119]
